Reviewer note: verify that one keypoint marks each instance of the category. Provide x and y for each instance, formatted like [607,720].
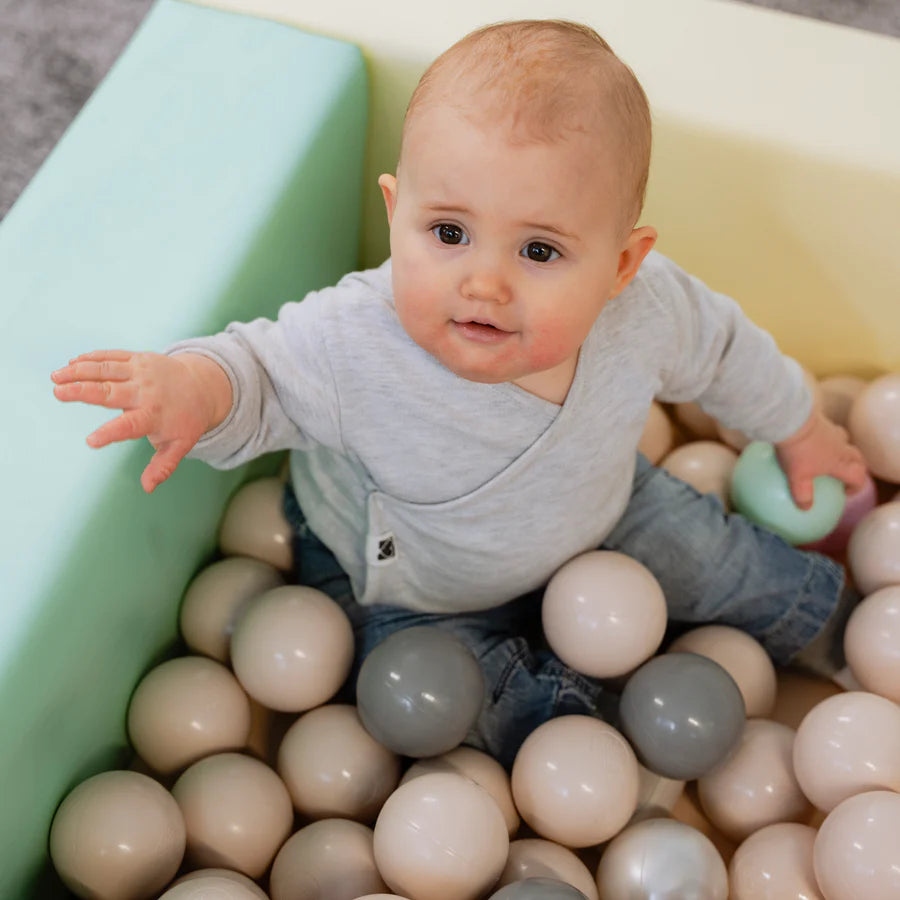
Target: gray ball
[538,889]
[683,714]
[420,691]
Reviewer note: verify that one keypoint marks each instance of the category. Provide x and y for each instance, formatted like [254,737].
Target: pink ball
[858,505]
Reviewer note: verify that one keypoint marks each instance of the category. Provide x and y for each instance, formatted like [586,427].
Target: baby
[465,418]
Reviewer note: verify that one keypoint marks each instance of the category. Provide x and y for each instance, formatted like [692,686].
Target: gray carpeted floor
[54,52]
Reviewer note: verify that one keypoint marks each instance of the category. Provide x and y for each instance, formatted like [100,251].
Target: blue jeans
[712,567]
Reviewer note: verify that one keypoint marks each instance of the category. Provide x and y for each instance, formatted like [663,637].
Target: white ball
[242,880]
[254,524]
[872,643]
[857,852]
[756,785]
[741,656]
[211,887]
[575,781]
[662,858]
[873,552]
[292,648]
[705,465]
[848,744]
[604,613]
[775,863]
[440,837]
[537,858]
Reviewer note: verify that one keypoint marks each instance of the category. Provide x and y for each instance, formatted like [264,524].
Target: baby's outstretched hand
[171,400]
[820,447]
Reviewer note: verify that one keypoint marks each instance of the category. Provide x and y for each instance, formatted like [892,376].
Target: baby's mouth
[481,330]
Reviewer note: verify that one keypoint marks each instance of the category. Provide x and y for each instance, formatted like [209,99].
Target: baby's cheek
[551,345]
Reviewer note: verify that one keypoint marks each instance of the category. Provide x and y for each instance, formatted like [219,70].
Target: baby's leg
[721,568]
[525,683]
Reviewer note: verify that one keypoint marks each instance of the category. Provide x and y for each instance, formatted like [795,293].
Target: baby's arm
[171,400]
[819,447]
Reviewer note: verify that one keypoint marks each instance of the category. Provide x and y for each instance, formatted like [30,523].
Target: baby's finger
[111,394]
[162,465]
[802,492]
[88,370]
[129,426]
[99,355]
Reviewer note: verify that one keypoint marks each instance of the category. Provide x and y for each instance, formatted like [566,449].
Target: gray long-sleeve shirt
[445,495]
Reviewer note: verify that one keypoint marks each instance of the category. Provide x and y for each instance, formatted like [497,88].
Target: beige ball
[875,426]
[742,657]
[440,837]
[872,643]
[251,886]
[328,860]
[838,394]
[237,812]
[334,768]
[292,648]
[483,769]
[603,613]
[699,424]
[117,836]
[846,745]
[215,599]
[537,858]
[756,785]
[185,709]
[797,693]
[857,852]
[873,552]
[212,887]
[657,795]
[575,781]
[775,863]
[705,465]
[254,524]
[658,437]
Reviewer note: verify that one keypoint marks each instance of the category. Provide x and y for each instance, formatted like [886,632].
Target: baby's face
[503,254]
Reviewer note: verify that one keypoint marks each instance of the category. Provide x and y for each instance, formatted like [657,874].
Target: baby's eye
[538,252]
[450,234]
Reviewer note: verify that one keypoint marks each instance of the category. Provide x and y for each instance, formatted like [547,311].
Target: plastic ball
[440,837]
[575,781]
[760,492]
[236,810]
[254,524]
[846,745]
[662,858]
[756,785]
[872,643]
[211,887]
[858,505]
[797,693]
[741,656]
[532,858]
[332,858]
[251,886]
[775,863]
[683,714]
[292,648]
[538,889]
[603,613]
[658,436]
[117,834]
[705,465]
[857,854]
[215,599]
[420,691]
[483,769]
[333,767]
[874,426]
[838,394]
[185,709]
[873,552]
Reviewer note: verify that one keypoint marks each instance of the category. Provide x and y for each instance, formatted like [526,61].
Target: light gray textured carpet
[53,53]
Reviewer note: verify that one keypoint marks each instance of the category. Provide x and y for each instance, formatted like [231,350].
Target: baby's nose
[487,285]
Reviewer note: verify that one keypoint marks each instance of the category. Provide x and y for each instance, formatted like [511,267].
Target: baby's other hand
[171,400]
[819,448]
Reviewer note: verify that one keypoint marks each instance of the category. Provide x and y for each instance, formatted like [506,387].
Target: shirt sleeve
[284,394]
[716,356]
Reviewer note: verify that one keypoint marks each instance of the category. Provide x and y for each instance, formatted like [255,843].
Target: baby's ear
[638,244]
[388,185]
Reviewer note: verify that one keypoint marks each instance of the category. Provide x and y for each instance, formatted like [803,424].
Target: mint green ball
[760,492]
